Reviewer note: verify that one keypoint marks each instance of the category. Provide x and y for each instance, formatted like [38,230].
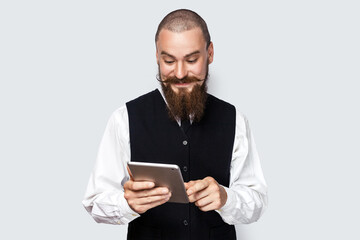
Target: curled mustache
[175,80]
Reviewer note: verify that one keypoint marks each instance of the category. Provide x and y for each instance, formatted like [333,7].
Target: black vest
[204,150]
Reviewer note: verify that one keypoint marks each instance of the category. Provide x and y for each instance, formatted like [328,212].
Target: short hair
[183,20]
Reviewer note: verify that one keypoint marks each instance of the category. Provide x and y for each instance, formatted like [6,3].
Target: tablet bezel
[163,175]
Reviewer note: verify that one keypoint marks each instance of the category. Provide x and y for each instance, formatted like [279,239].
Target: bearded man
[179,123]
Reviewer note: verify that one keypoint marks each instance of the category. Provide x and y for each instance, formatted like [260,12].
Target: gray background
[291,66]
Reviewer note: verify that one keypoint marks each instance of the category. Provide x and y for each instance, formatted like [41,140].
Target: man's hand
[141,196]
[206,193]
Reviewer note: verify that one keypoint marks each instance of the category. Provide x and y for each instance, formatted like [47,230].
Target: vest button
[186,223]
[185,169]
[185,142]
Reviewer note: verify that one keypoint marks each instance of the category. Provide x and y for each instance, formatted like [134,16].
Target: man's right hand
[141,196]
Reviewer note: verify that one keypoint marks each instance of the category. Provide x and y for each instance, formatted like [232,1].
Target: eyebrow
[186,56]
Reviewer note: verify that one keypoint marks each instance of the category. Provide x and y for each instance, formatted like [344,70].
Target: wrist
[223,196]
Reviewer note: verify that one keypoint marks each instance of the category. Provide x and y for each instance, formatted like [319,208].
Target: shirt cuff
[227,209]
[128,214]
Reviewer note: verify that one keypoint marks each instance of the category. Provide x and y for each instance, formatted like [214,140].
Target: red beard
[184,104]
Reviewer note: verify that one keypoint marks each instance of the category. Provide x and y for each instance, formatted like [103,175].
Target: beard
[184,104]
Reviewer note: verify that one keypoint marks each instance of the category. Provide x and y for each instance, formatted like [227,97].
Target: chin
[182,89]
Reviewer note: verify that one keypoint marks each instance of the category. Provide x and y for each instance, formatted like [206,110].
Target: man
[179,124]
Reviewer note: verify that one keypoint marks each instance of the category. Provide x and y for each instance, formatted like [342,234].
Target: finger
[198,186]
[199,195]
[159,191]
[204,201]
[208,207]
[189,184]
[152,199]
[155,204]
[144,208]
[136,185]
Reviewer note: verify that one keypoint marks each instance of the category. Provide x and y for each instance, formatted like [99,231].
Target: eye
[192,60]
[168,62]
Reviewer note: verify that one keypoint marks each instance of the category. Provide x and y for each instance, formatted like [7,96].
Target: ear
[157,57]
[210,51]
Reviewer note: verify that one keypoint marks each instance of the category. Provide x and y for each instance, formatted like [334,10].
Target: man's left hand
[206,193]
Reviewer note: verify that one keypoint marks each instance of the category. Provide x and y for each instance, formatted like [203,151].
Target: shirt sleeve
[247,192]
[104,197]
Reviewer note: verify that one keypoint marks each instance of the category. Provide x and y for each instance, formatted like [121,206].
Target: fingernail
[150,184]
[164,191]
[189,192]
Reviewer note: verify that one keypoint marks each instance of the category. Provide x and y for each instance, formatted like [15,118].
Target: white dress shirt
[104,197]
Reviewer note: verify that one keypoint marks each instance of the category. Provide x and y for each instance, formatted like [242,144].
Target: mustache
[175,80]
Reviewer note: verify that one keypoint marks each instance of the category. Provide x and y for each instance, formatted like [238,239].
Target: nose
[180,71]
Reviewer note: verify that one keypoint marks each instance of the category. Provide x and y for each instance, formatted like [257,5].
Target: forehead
[181,43]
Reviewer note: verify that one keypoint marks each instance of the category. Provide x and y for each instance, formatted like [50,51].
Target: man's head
[183,53]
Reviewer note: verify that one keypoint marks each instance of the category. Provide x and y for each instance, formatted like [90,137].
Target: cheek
[165,69]
[198,69]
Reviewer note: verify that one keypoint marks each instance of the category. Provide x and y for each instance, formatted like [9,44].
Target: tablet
[163,175]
